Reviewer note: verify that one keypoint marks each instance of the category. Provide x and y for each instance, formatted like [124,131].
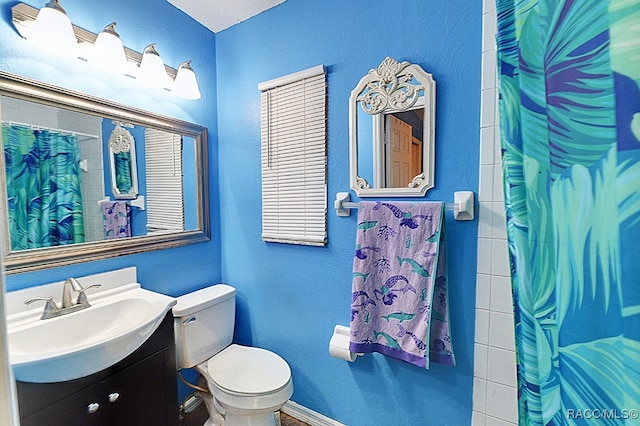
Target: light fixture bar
[22,15]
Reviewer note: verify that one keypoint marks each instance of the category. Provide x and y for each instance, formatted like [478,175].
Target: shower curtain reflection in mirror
[43,187]
[124,181]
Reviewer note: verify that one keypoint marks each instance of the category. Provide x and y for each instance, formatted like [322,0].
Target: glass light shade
[186,84]
[152,72]
[108,52]
[52,31]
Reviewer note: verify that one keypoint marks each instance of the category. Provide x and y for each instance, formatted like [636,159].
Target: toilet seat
[243,378]
[248,371]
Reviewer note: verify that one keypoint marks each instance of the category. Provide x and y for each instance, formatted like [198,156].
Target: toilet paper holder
[339,344]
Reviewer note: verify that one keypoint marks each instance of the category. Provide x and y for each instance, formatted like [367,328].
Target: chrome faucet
[70,283]
[51,309]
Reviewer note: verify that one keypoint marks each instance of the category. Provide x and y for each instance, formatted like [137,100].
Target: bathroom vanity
[109,362]
[139,390]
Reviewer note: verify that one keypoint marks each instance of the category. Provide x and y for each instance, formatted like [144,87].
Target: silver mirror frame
[35,259]
[391,83]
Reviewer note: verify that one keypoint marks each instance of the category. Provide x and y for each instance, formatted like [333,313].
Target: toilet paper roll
[339,344]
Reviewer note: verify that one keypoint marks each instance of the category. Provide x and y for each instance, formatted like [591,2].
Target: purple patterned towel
[117,219]
[399,303]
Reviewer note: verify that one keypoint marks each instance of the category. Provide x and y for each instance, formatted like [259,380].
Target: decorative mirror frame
[121,140]
[34,259]
[389,89]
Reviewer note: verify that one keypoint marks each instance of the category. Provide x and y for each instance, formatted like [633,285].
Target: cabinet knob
[113,397]
[93,407]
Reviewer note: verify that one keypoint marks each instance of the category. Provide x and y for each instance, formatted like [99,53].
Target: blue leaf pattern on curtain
[569,81]
[43,188]
[124,182]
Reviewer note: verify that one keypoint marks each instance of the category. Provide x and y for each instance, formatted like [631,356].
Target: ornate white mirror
[123,162]
[69,160]
[392,131]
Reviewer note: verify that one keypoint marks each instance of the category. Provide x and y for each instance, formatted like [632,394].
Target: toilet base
[216,418]
[260,420]
[267,419]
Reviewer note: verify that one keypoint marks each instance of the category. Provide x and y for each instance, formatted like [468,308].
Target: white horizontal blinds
[164,195]
[294,159]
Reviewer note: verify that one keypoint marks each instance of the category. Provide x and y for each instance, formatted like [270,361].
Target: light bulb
[152,72]
[186,84]
[107,51]
[52,31]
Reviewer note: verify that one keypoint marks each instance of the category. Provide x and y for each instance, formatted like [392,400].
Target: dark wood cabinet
[139,390]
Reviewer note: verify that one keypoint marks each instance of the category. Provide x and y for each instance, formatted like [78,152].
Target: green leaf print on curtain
[43,188]
[569,83]
[122,161]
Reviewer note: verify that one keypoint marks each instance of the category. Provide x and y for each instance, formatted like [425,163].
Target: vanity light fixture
[152,72]
[108,52]
[186,85]
[51,29]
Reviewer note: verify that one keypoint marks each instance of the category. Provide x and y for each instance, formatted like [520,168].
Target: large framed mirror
[68,195]
[392,131]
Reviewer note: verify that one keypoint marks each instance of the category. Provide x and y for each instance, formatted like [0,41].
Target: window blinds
[294,158]
[164,195]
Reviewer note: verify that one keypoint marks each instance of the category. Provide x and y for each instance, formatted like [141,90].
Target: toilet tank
[203,323]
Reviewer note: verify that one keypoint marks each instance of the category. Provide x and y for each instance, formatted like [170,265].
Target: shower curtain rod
[36,127]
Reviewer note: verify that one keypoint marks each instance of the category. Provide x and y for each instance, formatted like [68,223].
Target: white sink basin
[84,342]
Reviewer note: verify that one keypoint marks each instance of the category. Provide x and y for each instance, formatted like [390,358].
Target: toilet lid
[248,370]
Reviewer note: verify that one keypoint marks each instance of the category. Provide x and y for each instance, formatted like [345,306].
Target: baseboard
[308,416]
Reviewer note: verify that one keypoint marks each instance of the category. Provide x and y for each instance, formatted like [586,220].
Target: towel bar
[462,206]
[136,202]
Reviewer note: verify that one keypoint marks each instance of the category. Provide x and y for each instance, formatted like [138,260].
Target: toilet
[246,385]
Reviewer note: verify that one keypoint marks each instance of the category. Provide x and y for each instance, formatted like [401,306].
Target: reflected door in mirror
[403,159]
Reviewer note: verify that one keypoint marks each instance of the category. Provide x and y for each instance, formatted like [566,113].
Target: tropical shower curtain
[569,78]
[43,188]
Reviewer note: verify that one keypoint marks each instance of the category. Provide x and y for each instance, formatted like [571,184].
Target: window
[163,159]
[294,158]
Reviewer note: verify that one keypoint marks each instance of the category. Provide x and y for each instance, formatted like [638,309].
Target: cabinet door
[72,410]
[141,394]
[138,394]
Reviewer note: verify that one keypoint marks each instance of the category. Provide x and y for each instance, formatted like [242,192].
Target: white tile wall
[494,384]
[93,178]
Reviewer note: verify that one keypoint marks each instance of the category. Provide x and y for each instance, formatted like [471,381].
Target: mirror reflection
[392,112]
[78,179]
[56,166]
[122,161]
[390,148]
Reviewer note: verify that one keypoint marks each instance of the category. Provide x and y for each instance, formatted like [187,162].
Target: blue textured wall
[179,38]
[290,297]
